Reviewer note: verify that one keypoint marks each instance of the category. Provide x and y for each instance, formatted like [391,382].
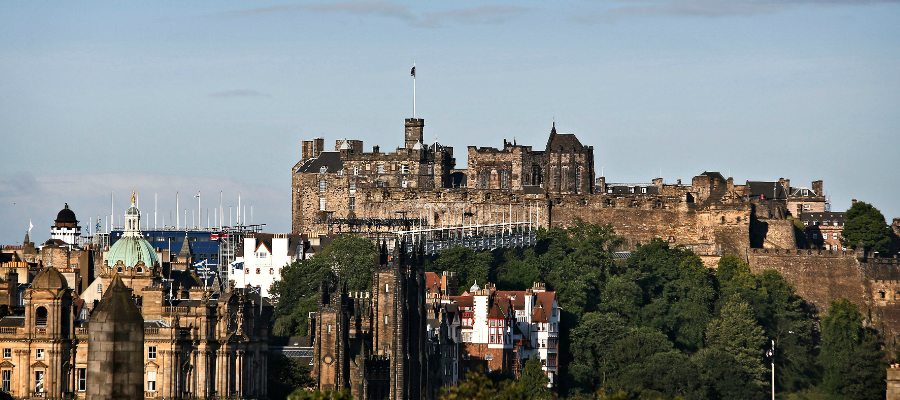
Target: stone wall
[821,276]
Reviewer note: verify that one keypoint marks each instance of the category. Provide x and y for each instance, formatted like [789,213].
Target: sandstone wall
[821,276]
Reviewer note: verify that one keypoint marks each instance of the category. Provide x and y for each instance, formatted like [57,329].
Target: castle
[346,189]
[418,186]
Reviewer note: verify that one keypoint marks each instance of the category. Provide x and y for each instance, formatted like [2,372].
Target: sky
[101,98]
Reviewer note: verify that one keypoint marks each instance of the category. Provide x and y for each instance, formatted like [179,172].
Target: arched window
[119,270]
[140,270]
[40,317]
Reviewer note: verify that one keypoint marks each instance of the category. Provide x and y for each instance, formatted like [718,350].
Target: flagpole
[414,89]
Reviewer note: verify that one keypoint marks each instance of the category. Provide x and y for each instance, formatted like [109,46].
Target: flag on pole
[412,72]
[198,194]
[30,226]
[237,265]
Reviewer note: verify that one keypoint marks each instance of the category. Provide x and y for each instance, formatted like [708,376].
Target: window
[257,271]
[815,222]
[140,270]
[577,178]
[404,184]
[7,353]
[322,185]
[351,203]
[379,183]
[279,271]
[321,204]
[151,381]
[323,169]
[644,190]
[329,328]
[380,168]
[404,169]
[806,207]
[834,236]
[631,189]
[247,271]
[99,288]
[483,179]
[355,171]
[39,381]
[805,222]
[504,179]
[151,352]
[271,271]
[386,319]
[386,288]
[7,377]
[40,317]
[352,186]
[488,357]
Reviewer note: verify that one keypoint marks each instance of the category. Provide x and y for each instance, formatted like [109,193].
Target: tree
[348,259]
[470,267]
[533,382]
[784,316]
[851,359]
[286,375]
[737,339]
[866,225]
[302,394]
[592,341]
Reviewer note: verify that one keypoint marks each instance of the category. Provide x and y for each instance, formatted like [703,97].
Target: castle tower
[116,344]
[414,132]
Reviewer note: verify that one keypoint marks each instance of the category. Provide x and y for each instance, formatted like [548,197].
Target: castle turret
[414,132]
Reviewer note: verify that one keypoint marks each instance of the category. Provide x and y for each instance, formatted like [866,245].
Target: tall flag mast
[413,73]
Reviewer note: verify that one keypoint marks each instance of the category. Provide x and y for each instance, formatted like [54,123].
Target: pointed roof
[185,252]
[117,305]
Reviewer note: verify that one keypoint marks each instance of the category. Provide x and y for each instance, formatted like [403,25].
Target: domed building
[65,227]
[131,250]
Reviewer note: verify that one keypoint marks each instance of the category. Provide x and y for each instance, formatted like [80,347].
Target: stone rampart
[820,276]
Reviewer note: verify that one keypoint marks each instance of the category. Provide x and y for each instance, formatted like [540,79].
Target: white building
[264,255]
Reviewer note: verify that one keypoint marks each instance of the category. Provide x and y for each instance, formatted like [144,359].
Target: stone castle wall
[821,276]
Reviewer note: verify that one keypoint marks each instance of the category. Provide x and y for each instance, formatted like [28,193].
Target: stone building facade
[375,345]
[196,343]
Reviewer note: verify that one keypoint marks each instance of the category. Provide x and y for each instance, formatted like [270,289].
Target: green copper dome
[130,250]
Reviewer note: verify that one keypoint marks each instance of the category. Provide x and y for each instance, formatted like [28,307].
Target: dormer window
[323,169]
[140,270]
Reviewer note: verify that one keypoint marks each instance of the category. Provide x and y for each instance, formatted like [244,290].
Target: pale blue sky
[217,96]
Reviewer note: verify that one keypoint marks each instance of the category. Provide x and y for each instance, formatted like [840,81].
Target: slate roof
[821,217]
[12,321]
[330,159]
[767,189]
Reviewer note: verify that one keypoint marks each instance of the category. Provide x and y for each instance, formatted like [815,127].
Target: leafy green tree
[592,342]
[866,225]
[735,338]
[285,375]
[302,394]
[479,387]
[679,291]
[784,316]
[851,359]
[470,267]
[348,259]
[533,382]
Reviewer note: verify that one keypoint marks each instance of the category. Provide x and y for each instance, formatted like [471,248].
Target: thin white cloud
[239,93]
[472,16]
[489,14]
[711,8]
[378,8]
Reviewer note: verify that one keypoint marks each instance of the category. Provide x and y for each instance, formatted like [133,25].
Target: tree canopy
[866,225]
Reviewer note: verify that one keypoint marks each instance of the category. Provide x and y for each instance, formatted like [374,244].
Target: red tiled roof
[432,282]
